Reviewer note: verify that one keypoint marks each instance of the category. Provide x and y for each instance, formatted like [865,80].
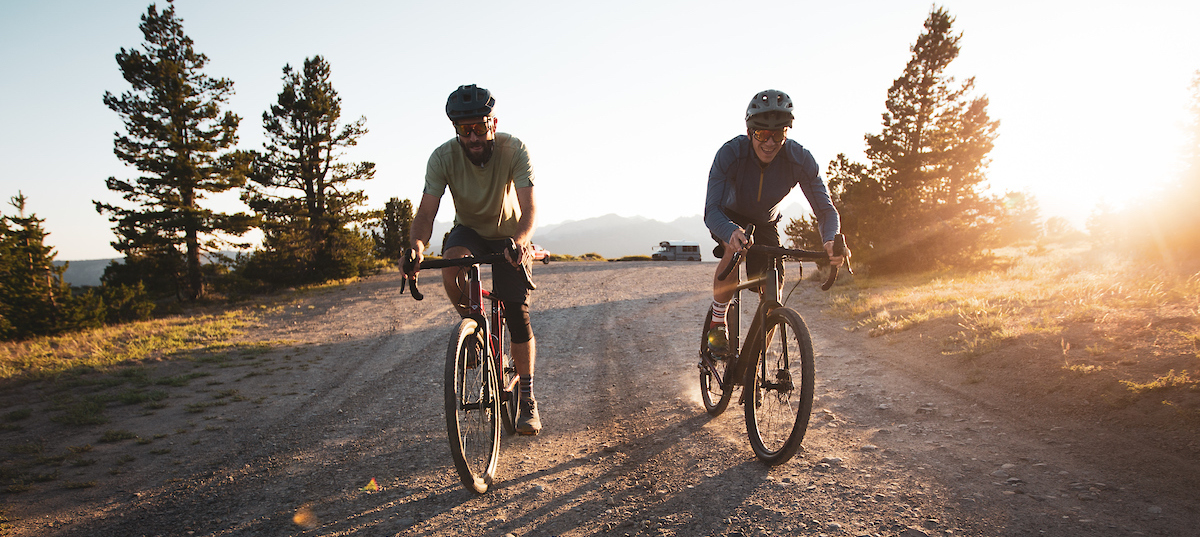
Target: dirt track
[900,444]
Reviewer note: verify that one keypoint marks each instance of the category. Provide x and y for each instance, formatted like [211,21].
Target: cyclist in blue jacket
[750,176]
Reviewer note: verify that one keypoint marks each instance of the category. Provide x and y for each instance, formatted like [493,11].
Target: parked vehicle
[541,254]
[677,251]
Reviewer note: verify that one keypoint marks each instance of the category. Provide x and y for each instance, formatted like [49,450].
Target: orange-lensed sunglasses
[763,135]
[480,129]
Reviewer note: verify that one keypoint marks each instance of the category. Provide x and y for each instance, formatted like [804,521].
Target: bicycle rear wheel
[713,375]
[472,408]
[779,388]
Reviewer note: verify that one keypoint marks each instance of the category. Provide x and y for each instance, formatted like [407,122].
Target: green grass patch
[30,448]
[86,411]
[116,435]
[179,381]
[18,414]
[70,485]
[137,397]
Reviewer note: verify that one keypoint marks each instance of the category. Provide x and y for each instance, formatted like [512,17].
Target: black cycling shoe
[529,422]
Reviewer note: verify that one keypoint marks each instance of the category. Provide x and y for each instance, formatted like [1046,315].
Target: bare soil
[904,441]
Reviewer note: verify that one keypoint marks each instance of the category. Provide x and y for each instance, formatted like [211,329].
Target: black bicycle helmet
[770,109]
[470,101]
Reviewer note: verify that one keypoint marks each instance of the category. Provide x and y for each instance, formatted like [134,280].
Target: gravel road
[902,442]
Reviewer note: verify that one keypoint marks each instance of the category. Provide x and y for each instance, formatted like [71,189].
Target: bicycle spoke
[715,386]
[472,408]
[780,389]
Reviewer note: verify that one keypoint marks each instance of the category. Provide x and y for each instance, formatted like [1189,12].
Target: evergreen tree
[177,136]
[300,191]
[34,297]
[1021,218]
[393,236]
[920,203]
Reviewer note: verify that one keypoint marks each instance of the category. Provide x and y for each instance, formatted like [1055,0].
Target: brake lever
[409,269]
[737,256]
[514,255]
[839,249]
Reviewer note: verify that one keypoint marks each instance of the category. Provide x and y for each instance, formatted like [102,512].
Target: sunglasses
[480,129]
[763,135]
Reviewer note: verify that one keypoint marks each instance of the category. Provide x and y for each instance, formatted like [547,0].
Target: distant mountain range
[614,236]
[85,272]
[611,236]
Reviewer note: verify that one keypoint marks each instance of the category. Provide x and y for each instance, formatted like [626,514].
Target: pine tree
[301,192]
[1021,218]
[177,136]
[393,237]
[34,297]
[920,203]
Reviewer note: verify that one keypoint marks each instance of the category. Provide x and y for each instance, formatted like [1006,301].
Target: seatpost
[475,287]
[771,296]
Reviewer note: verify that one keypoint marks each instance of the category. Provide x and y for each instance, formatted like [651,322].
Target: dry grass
[1046,292]
[105,347]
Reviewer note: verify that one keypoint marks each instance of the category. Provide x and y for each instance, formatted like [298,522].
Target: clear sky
[622,103]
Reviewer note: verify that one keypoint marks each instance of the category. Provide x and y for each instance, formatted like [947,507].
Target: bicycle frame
[493,323]
[768,284]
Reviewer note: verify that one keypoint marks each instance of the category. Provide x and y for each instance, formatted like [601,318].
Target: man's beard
[487,152]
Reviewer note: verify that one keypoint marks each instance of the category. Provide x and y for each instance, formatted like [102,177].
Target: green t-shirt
[485,198]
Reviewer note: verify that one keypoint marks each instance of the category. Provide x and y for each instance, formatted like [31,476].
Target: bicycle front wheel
[779,388]
[472,408]
[715,386]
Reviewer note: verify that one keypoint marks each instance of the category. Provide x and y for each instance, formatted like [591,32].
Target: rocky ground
[285,439]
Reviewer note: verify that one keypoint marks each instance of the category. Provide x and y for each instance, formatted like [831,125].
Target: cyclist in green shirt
[491,183]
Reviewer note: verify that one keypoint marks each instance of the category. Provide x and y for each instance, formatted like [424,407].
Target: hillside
[85,272]
[614,236]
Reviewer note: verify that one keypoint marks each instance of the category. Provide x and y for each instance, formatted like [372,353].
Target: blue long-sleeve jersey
[738,182]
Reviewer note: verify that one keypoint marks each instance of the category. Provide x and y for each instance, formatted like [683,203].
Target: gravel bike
[774,366]
[481,380]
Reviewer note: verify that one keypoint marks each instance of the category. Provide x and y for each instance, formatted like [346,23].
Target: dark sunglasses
[480,129]
[763,135]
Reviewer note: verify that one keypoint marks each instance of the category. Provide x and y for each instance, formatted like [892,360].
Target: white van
[677,251]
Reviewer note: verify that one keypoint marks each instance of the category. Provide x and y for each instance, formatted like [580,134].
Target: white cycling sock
[718,312]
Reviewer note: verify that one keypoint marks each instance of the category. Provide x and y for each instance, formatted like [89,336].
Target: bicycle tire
[777,407]
[508,398]
[472,408]
[715,399]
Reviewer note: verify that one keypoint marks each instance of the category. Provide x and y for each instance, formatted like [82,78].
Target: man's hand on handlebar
[834,259]
[739,241]
[411,263]
[524,251]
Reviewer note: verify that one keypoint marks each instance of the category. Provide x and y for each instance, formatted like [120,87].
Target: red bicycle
[481,380]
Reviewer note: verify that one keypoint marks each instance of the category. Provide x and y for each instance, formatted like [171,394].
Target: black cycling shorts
[765,234]
[508,283]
